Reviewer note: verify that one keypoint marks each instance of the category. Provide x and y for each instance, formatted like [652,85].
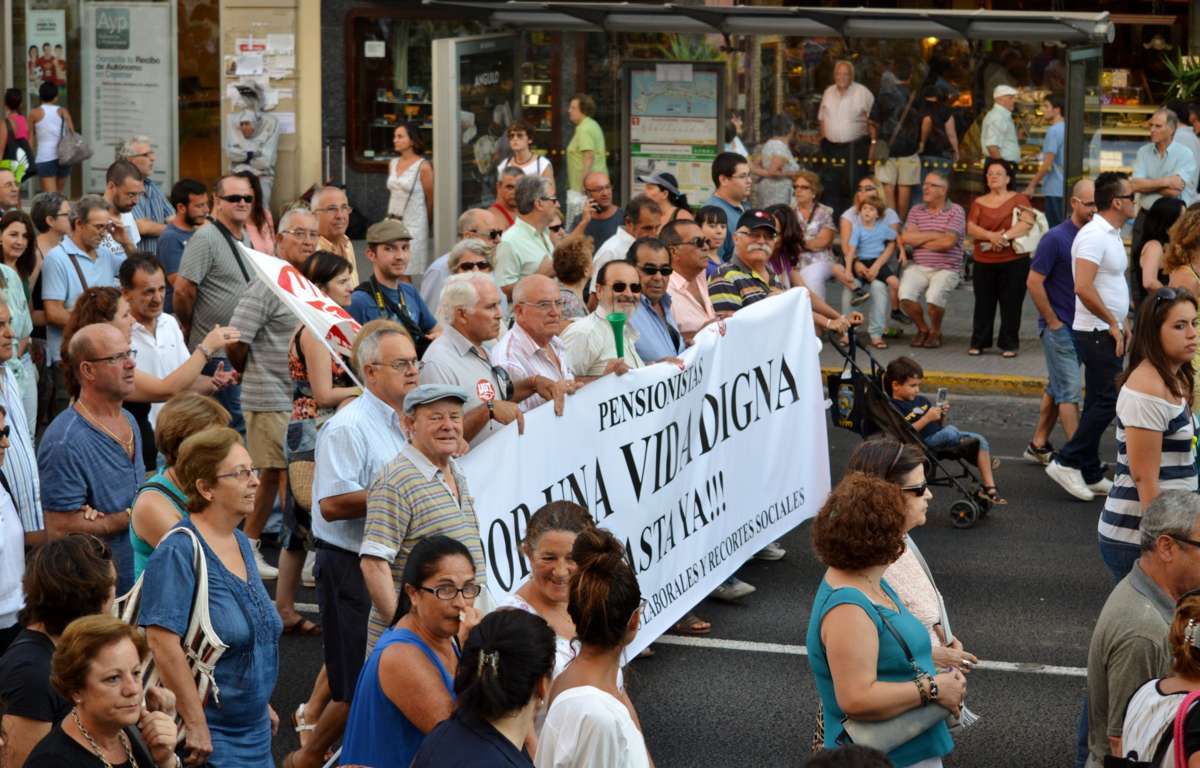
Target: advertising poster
[46,54]
[673,124]
[128,76]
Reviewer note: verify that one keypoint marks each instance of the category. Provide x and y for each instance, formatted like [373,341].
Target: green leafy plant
[1185,76]
[689,48]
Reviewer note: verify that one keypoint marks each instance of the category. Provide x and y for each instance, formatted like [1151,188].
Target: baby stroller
[862,405]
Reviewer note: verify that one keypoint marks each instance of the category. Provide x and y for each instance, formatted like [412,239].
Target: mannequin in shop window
[253,142]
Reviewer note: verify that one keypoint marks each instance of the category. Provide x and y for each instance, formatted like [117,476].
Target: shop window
[199,90]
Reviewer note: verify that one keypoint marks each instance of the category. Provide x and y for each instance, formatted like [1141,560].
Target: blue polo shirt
[1052,259]
[60,281]
[170,252]
[364,308]
[732,214]
[78,464]
[657,338]
[1054,141]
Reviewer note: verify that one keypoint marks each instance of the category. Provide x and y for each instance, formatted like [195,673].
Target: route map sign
[673,123]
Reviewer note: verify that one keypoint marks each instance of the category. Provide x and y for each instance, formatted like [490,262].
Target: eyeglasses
[238,198]
[491,234]
[449,591]
[120,357]
[243,475]
[651,270]
[504,381]
[915,490]
[471,266]
[1130,196]
[695,242]
[545,306]
[1085,203]
[764,235]
[868,188]
[302,234]
[402,364]
[547,199]
[598,190]
[1185,540]
[620,287]
[334,209]
[555,227]
[147,153]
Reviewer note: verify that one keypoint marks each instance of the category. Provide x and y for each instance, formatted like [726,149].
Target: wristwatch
[933,689]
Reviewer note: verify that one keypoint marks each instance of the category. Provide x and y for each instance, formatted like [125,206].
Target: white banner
[329,322]
[695,470]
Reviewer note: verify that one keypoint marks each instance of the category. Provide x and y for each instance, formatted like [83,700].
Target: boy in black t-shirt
[903,382]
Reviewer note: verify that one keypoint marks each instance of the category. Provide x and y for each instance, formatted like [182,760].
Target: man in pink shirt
[688,285]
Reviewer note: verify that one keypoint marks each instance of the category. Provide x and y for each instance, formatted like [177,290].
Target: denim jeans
[1118,557]
[950,436]
[1062,365]
[1101,366]
[1054,211]
[230,397]
[880,303]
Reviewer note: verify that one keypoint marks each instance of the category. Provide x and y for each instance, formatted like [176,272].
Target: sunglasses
[555,227]
[651,270]
[470,266]
[4,433]
[619,287]
[696,242]
[491,234]
[238,198]
[916,490]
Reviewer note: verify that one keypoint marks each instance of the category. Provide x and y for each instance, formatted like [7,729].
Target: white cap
[1003,90]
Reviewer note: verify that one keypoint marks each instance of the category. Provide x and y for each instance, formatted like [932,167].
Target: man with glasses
[261,357]
[525,248]
[123,186]
[1101,332]
[421,493]
[333,210]
[531,347]
[1130,643]
[153,210]
[746,278]
[386,293]
[642,217]
[475,223]
[189,199]
[1161,168]
[213,275]
[353,448]
[659,337]
[731,177]
[935,229]
[10,192]
[591,346]
[90,457]
[82,260]
[603,221]
[505,205]
[1052,288]
[688,284]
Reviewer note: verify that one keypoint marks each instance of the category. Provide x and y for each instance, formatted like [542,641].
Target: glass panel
[199,90]
[486,103]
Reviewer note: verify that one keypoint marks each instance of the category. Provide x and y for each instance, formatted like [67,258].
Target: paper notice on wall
[281,44]
[249,64]
[285,93]
[286,121]
[374,49]
[251,44]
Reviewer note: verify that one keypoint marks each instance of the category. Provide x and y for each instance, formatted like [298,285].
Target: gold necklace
[96,747]
[125,444]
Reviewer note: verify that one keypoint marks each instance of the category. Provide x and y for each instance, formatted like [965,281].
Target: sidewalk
[950,366]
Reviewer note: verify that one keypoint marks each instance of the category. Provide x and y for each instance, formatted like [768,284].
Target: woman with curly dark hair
[854,634]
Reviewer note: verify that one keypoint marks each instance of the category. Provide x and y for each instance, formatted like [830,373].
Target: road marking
[714,643]
[752,646]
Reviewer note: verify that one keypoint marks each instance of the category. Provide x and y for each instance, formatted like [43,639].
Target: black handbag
[848,393]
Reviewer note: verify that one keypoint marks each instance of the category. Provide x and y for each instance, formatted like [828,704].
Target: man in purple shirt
[1052,287]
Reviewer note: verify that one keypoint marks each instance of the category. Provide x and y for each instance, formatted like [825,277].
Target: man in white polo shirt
[1101,332]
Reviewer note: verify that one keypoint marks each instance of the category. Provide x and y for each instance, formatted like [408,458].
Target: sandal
[302,626]
[934,341]
[879,343]
[1008,354]
[974,351]
[919,340]
[989,494]
[692,626]
[302,727]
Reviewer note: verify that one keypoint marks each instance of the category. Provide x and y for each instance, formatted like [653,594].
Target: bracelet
[204,351]
[921,690]
[828,323]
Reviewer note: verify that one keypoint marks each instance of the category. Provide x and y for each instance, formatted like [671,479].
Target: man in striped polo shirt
[420,493]
[935,229]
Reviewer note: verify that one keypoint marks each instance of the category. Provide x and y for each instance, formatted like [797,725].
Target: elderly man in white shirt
[843,114]
[591,345]
[998,134]
[531,348]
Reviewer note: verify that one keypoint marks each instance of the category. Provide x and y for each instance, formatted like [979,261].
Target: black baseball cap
[756,218]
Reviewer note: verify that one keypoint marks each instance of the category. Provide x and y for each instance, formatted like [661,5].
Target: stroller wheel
[964,513]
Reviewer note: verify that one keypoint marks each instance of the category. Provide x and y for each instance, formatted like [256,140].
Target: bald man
[478,223]
[602,221]
[531,348]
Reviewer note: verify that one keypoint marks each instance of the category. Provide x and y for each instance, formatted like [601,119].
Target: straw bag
[201,645]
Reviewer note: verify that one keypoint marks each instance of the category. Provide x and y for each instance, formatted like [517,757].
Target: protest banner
[330,323]
[695,470]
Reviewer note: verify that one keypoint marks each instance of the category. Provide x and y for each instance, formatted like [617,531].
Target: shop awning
[1071,28]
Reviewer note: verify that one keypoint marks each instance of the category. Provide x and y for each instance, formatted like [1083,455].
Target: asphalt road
[1023,587]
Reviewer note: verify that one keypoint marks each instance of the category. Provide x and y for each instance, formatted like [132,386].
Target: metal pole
[1078,59]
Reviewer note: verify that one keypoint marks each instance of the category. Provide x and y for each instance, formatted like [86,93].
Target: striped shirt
[950,218]
[20,460]
[735,285]
[1122,513]
[267,327]
[408,502]
[152,205]
[517,353]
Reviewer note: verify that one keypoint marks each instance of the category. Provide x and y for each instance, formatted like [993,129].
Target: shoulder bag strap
[943,617]
[174,497]
[1181,758]
[895,132]
[912,662]
[78,270]
[237,254]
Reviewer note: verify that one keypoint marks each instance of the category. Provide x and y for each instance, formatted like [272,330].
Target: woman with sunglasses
[260,226]
[815,259]
[406,686]
[233,727]
[590,721]
[1155,425]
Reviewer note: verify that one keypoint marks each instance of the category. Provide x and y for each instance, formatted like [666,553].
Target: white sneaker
[771,552]
[306,573]
[1101,487]
[266,571]
[733,590]
[1071,481]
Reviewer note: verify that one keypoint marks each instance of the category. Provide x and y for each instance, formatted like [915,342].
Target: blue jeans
[950,435]
[1054,211]
[1101,366]
[230,397]
[1062,365]
[1118,557]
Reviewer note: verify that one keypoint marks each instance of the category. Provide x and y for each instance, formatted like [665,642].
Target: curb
[976,383]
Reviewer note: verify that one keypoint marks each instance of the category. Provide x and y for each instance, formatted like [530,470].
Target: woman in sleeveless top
[1155,424]
[160,502]
[18,246]
[47,122]
[1148,268]
[520,143]
[410,182]
[1181,262]
[396,701]
[859,627]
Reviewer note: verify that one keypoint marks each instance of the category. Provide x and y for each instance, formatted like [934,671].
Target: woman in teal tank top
[860,668]
[160,503]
